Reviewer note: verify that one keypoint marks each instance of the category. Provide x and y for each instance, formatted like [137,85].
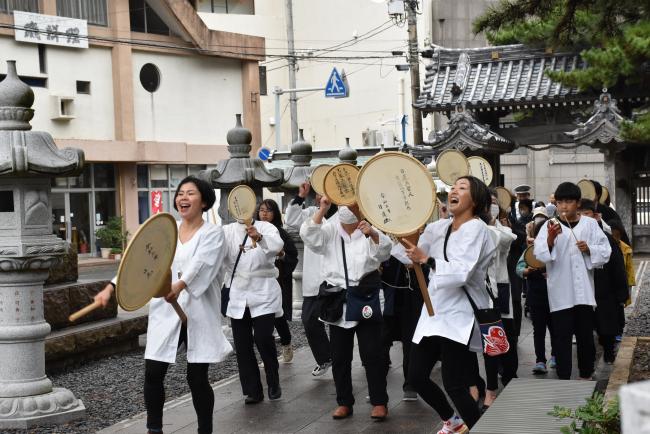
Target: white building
[147,91]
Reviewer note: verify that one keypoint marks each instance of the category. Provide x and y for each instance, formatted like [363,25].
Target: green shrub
[112,235]
[595,417]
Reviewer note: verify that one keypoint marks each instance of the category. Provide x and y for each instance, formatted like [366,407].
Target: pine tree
[612,36]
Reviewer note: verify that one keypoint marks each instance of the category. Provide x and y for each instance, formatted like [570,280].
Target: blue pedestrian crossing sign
[336,86]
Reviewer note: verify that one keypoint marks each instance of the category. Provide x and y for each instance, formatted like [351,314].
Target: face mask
[539,220]
[346,216]
[494,210]
[524,213]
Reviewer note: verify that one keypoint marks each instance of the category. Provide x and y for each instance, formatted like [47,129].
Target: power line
[142,43]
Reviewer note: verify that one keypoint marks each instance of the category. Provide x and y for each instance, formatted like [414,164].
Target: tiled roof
[500,76]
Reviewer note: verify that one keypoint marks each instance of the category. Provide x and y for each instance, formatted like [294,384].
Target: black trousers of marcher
[317,338]
[578,321]
[197,379]
[509,361]
[258,331]
[541,317]
[282,326]
[457,373]
[607,342]
[516,288]
[372,358]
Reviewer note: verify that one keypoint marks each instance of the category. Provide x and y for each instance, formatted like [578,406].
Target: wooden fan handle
[179,311]
[249,223]
[85,311]
[419,274]
[423,288]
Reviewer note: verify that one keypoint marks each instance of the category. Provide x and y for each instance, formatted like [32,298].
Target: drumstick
[249,223]
[569,225]
[179,311]
[420,276]
[85,311]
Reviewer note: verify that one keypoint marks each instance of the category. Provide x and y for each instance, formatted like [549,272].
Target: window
[104,176]
[245,7]
[150,77]
[161,181]
[145,20]
[83,87]
[93,11]
[8,6]
[42,59]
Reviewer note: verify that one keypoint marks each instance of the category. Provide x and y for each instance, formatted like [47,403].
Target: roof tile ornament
[464,132]
[603,127]
[24,152]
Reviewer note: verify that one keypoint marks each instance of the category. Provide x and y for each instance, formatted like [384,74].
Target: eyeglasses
[264,210]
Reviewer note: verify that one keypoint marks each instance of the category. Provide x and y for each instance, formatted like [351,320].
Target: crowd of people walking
[357,281]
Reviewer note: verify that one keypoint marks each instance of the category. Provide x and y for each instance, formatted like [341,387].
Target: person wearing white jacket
[315,332]
[196,285]
[352,252]
[502,237]
[255,301]
[572,249]
[458,251]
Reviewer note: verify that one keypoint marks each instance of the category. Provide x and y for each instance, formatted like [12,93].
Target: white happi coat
[362,255]
[502,237]
[571,272]
[197,263]
[255,283]
[470,249]
[311,262]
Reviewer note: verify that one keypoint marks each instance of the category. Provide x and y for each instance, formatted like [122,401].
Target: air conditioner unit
[62,107]
[369,138]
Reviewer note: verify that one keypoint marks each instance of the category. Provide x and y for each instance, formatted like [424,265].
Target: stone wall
[62,300]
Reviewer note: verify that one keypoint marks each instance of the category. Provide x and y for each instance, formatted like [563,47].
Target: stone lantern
[28,161]
[239,169]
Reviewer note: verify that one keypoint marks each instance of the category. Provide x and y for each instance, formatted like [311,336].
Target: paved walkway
[307,402]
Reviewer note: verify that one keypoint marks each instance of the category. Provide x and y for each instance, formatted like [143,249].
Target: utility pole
[411,7]
[293,100]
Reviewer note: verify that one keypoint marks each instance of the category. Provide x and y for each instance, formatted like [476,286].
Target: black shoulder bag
[332,298]
[363,300]
[225,290]
[493,335]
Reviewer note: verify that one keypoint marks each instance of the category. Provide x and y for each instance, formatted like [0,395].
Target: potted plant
[111,236]
[116,253]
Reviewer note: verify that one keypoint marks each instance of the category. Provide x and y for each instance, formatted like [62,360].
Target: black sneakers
[275,393]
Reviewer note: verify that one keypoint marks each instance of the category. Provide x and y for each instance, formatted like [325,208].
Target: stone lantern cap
[301,155]
[240,168]
[347,154]
[25,153]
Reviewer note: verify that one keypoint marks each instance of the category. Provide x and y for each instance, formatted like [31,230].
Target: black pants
[197,378]
[509,361]
[259,331]
[372,358]
[457,374]
[541,317]
[282,326]
[516,288]
[578,321]
[607,342]
[317,338]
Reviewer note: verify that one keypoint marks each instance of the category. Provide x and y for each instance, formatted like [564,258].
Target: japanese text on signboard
[52,30]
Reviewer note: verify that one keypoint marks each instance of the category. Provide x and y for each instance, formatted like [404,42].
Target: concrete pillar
[251,102]
[127,179]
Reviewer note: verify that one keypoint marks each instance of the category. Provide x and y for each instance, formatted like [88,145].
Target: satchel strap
[488,285]
[232,277]
[345,263]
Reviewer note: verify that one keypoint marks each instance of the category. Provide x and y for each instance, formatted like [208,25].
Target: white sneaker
[321,369]
[287,353]
[455,425]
